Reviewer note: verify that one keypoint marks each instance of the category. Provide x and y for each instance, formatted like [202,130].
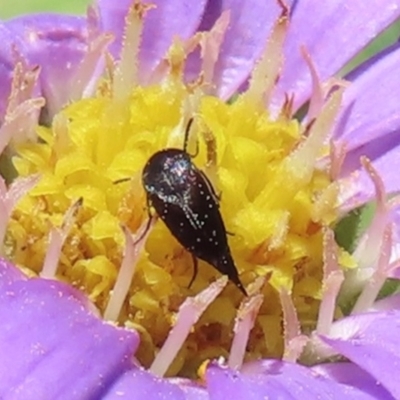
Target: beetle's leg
[195,269]
[149,221]
[215,196]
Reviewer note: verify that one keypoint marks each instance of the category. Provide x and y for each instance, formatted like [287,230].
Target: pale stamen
[368,249]
[267,70]
[332,281]
[56,241]
[301,163]
[378,278]
[60,135]
[126,73]
[294,340]
[21,121]
[337,153]
[174,61]
[210,45]
[83,84]
[317,92]
[244,323]
[9,199]
[23,83]
[132,253]
[189,313]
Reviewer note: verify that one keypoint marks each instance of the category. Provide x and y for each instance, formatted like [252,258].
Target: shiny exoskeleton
[184,199]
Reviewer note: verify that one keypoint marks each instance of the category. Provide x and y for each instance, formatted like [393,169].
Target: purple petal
[9,274]
[275,379]
[57,43]
[52,346]
[333,32]
[371,89]
[250,24]
[140,384]
[351,374]
[192,390]
[372,341]
[168,19]
[387,303]
[369,125]
[370,110]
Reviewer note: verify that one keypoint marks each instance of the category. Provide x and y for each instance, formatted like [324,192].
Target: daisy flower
[96,301]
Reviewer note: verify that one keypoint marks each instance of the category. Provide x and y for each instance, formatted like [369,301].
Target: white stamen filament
[267,70]
[127,270]
[337,153]
[317,93]
[290,321]
[82,83]
[9,199]
[189,313]
[301,163]
[22,85]
[367,251]
[244,323]
[126,73]
[211,43]
[333,279]
[21,121]
[294,340]
[56,241]
[376,282]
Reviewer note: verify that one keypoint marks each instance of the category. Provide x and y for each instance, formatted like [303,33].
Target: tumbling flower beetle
[185,200]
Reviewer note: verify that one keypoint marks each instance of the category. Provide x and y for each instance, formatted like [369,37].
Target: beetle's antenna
[187,131]
[121,180]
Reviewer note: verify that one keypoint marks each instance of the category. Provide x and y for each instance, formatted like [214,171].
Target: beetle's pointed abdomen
[226,266]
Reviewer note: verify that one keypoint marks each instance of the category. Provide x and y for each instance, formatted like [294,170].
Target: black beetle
[185,200]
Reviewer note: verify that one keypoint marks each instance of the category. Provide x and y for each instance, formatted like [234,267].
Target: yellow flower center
[270,211]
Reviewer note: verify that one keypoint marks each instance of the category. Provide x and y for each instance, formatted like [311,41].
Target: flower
[282,188]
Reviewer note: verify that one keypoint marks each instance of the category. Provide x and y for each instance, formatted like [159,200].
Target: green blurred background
[10,8]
